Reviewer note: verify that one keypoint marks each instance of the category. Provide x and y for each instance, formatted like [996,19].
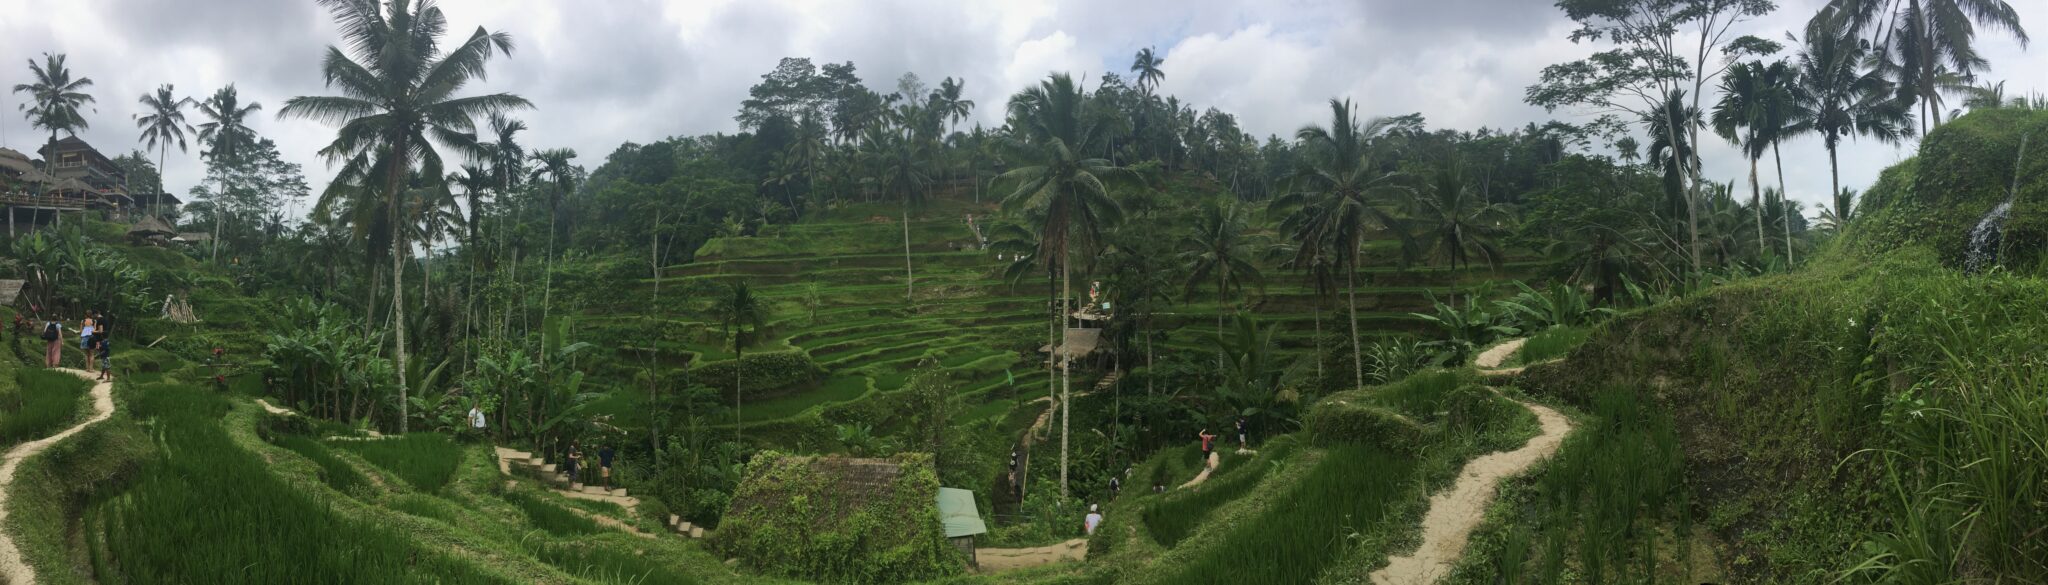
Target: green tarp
[957,511]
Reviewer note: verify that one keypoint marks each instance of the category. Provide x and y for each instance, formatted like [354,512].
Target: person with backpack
[86,328]
[53,353]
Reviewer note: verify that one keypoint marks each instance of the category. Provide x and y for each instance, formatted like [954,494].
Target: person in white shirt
[476,418]
[1094,519]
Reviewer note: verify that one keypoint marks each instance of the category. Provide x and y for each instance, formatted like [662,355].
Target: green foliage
[1340,422]
[790,519]
[1175,516]
[1350,490]
[173,523]
[40,403]
[550,517]
[765,374]
[1964,169]
[607,563]
[425,460]
[338,474]
[1549,344]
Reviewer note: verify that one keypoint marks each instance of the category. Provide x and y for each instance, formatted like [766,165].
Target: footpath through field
[1455,512]
[12,568]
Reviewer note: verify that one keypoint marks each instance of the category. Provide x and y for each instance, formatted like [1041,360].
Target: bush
[827,520]
[549,517]
[425,460]
[1549,344]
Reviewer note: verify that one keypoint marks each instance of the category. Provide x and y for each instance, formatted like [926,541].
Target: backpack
[50,332]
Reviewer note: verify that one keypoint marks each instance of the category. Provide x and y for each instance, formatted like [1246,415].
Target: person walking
[1242,443]
[1093,520]
[1208,443]
[86,328]
[575,456]
[53,342]
[106,349]
[476,420]
[604,465]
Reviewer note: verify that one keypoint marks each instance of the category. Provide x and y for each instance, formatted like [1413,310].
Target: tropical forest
[857,324]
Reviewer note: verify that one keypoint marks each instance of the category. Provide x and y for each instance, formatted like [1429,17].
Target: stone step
[674,519]
[575,486]
[549,468]
[696,532]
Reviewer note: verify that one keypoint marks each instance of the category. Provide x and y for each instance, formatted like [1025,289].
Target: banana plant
[1464,328]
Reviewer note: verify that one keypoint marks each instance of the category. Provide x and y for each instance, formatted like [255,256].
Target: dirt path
[1489,361]
[12,568]
[1455,512]
[1214,459]
[1005,559]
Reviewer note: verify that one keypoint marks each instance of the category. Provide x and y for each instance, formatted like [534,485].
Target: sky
[602,73]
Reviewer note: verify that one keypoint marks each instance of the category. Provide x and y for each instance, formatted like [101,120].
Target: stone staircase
[684,528]
[530,465]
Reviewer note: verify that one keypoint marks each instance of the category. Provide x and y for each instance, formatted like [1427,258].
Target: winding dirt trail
[1489,361]
[994,560]
[13,569]
[1455,512]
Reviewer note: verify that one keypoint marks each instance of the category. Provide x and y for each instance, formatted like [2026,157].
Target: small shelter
[151,230]
[193,237]
[962,520]
[1078,344]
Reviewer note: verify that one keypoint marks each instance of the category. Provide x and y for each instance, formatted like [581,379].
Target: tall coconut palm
[1673,149]
[397,102]
[54,98]
[1922,41]
[1338,197]
[898,160]
[736,310]
[1067,189]
[948,103]
[162,127]
[229,138]
[1146,65]
[1744,117]
[1454,222]
[1837,97]
[1220,251]
[554,172]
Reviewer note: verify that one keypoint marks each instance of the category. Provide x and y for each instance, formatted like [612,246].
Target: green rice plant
[46,402]
[425,460]
[208,511]
[1549,344]
[422,506]
[1176,515]
[606,564]
[551,518]
[1310,526]
[338,474]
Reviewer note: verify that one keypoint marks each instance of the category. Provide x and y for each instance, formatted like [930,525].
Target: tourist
[1094,519]
[476,418]
[604,464]
[53,350]
[1116,486]
[575,456]
[101,329]
[85,331]
[106,349]
[1208,443]
[1241,442]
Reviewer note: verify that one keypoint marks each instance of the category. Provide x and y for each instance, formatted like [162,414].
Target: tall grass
[549,517]
[607,564]
[1310,526]
[1175,516]
[425,460]
[337,473]
[45,402]
[1549,344]
[209,512]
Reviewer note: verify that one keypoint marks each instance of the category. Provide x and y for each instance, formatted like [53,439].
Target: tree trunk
[1066,361]
[1786,197]
[1317,308]
[1835,171]
[397,290]
[909,276]
[1357,359]
[739,354]
[1756,199]
[653,383]
[547,285]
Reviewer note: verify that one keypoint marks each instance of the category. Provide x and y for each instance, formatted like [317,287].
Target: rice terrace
[1373,292]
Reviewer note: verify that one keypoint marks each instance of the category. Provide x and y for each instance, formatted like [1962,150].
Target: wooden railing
[42,201]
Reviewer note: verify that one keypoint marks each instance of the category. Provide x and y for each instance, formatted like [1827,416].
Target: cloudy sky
[606,72]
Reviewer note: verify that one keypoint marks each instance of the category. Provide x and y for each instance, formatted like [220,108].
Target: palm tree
[1837,97]
[1146,65]
[1672,148]
[1743,117]
[898,161]
[1340,195]
[1065,188]
[163,126]
[1454,222]
[736,310]
[54,98]
[397,101]
[229,136]
[948,103]
[1220,248]
[1922,41]
[553,170]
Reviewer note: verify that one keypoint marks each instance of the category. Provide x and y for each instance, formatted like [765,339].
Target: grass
[605,563]
[1177,514]
[551,518]
[1548,345]
[338,474]
[45,401]
[836,389]
[1306,530]
[425,460]
[211,512]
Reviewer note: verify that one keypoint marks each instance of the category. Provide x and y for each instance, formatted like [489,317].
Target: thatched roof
[20,164]
[855,483]
[1078,344]
[151,226]
[193,237]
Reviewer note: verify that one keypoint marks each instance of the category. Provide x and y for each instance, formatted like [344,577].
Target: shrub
[1549,344]
[828,520]
[547,516]
[425,460]
[1340,422]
